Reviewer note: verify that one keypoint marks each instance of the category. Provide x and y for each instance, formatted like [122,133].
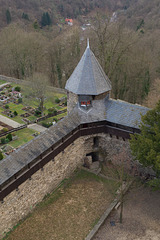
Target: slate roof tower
[88,84]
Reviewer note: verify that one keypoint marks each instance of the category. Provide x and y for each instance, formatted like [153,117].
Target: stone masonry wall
[118,152]
[72,100]
[19,203]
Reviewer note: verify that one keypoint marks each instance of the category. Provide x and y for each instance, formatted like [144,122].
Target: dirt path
[37,127]
[10,122]
[141,218]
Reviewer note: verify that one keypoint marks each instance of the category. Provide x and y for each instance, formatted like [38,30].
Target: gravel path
[37,127]
[141,219]
[9,122]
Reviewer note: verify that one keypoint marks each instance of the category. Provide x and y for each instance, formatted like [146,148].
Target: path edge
[95,229]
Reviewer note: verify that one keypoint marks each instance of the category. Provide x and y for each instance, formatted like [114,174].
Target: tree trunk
[121,211]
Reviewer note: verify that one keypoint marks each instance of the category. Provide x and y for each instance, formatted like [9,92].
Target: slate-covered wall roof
[116,111]
[124,113]
[88,77]
[27,153]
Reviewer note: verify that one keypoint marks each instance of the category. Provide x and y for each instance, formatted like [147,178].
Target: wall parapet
[12,182]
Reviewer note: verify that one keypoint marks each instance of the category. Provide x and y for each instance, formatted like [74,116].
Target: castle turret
[87,84]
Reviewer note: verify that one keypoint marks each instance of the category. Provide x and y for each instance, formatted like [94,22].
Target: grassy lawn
[70,212]
[49,101]
[51,119]
[30,101]
[15,107]
[24,136]
[2,82]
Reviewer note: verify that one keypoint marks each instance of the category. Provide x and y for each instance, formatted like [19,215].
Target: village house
[69,21]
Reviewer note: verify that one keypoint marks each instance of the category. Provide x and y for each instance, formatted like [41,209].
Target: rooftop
[124,113]
[88,78]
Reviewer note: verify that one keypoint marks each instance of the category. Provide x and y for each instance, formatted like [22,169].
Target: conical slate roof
[88,77]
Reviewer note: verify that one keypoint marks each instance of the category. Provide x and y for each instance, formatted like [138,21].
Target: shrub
[55,119]
[47,125]
[52,111]
[9,137]
[17,89]
[5,129]
[65,103]
[3,140]
[57,100]
[7,140]
[15,113]
[37,112]
[1,155]
[19,100]
[6,106]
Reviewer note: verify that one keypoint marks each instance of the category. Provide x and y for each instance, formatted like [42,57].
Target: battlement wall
[67,145]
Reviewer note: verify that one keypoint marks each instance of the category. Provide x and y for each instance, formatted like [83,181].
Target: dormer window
[85,102]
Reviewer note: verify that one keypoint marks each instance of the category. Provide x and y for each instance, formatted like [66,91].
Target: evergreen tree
[48,18]
[25,16]
[146,145]
[45,20]
[8,16]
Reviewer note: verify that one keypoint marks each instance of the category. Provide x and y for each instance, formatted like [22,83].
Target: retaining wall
[20,202]
[21,81]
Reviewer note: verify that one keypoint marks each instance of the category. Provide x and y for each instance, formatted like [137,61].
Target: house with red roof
[69,21]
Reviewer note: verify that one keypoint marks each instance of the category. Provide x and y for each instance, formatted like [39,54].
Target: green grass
[2,82]
[32,118]
[82,198]
[51,119]
[30,101]
[61,115]
[14,107]
[24,136]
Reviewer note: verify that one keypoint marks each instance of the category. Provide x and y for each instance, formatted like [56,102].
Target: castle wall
[72,100]
[19,203]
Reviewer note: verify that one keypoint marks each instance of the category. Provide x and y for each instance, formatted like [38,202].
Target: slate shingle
[124,113]
[88,77]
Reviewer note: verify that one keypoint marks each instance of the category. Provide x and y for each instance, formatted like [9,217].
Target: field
[70,212]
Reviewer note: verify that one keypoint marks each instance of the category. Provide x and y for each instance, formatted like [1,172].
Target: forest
[35,38]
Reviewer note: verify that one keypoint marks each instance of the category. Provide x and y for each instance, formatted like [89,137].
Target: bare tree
[39,83]
[119,170]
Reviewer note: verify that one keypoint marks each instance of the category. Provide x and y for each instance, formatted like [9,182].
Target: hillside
[144,13]
[35,38]
[31,10]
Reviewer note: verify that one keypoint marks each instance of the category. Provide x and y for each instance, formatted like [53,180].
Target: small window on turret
[85,102]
